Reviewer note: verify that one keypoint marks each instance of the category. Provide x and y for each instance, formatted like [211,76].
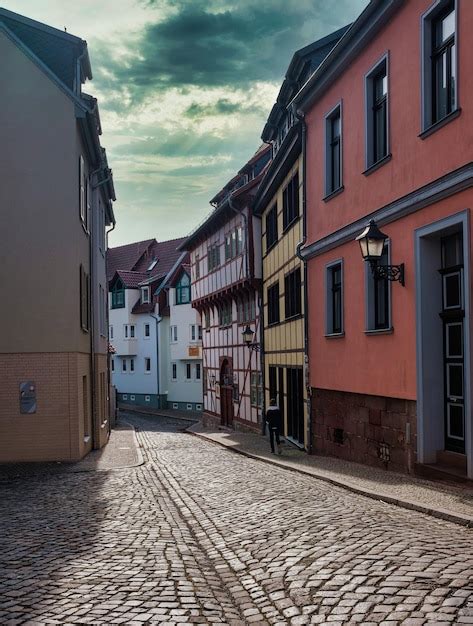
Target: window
[132,330]
[225,314]
[113,364]
[197,371]
[118,295]
[152,265]
[193,332]
[378,295]
[333,151]
[173,332]
[188,371]
[126,331]
[147,364]
[377,114]
[256,389]
[334,298]
[146,330]
[174,371]
[290,202]
[183,289]
[132,365]
[273,304]
[271,227]
[197,266]
[199,333]
[124,365]
[233,243]
[439,62]
[207,319]
[83,195]
[111,332]
[102,311]
[213,256]
[144,295]
[246,309]
[292,293]
[84,299]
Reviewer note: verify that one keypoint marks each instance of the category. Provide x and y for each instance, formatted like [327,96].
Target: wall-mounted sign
[28,397]
[194,351]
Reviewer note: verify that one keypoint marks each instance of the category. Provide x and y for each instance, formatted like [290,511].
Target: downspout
[107,321]
[300,117]
[158,319]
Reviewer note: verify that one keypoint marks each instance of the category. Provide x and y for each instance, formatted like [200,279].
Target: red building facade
[388,118]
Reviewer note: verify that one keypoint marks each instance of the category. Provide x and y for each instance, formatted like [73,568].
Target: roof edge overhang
[367,24]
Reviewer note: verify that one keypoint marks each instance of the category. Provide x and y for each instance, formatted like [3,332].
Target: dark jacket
[273,417]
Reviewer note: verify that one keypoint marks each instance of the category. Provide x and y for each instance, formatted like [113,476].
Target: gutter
[300,117]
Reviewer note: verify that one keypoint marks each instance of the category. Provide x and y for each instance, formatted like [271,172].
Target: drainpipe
[107,321]
[300,117]
[158,319]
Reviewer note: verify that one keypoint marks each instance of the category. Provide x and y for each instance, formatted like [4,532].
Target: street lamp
[248,335]
[371,243]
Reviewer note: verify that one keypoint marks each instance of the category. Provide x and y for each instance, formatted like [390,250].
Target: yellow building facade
[284,305]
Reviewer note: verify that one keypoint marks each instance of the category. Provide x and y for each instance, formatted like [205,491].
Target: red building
[388,118]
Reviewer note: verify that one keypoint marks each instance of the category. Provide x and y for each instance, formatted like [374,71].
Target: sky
[184,90]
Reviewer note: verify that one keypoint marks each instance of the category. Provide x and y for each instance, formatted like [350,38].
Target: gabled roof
[57,49]
[126,257]
[303,63]
[131,262]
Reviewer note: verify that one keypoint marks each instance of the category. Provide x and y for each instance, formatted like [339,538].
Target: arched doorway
[226,393]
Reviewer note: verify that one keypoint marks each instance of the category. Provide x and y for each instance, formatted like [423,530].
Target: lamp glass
[248,335]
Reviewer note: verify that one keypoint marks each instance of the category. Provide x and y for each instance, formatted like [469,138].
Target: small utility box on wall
[28,397]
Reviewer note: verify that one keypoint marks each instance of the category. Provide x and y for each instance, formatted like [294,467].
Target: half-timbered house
[226,278]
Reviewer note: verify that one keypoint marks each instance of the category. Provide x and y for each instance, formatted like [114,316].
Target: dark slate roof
[58,50]
[132,280]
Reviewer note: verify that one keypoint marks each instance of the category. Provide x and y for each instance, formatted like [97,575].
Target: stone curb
[456,518]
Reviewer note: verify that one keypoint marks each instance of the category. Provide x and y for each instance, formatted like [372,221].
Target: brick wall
[56,431]
[367,429]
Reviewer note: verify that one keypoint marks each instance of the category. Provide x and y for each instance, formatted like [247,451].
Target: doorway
[226,393]
[295,404]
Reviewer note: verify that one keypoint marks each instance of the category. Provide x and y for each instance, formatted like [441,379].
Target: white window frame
[145,299]
[174,370]
[132,366]
[147,361]
[110,332]
[197,368]
[147,336]
[188,371]
[124,368]
[173,333]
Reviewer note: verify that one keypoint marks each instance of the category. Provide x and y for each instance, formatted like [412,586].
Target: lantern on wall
[372,242]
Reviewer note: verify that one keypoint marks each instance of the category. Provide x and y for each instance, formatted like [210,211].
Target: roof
[57,49]
[132,262]
[303,63]
[374,17]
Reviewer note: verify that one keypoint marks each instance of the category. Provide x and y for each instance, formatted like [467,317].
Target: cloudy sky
[184,89]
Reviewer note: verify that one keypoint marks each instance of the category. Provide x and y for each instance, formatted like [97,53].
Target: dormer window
[118,295]
[152,265]
[145,295]
[183,290]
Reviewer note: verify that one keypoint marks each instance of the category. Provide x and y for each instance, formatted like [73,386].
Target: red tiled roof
[167,254]
[126,257]
[132,279]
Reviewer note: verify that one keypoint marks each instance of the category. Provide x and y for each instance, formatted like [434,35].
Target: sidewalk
[442,500]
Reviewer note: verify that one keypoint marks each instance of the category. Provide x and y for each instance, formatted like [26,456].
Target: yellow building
[280,204]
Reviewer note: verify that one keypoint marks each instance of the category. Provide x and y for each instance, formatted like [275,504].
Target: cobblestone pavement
[199,534]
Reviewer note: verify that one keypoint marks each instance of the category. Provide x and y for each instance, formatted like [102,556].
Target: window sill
[273,324]
[380,331]
[377,165]
[335,335]
[445,120]
[147,373]
[332,194]
[290,318]
[273,245]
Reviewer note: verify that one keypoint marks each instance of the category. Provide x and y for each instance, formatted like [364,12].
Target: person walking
[273,419]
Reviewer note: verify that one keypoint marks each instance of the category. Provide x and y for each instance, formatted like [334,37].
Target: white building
[154,330]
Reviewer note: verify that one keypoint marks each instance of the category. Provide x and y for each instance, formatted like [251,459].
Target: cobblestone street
[198,534]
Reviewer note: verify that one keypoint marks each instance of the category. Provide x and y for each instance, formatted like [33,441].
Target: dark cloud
[217,44]
[223,106]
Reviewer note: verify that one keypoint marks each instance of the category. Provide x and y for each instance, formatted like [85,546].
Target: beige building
[56,194]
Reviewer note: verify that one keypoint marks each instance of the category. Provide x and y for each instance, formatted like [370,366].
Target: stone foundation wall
[367,429]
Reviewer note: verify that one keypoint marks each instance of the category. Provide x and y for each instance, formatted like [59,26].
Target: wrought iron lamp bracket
[254,346]
[390,272]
